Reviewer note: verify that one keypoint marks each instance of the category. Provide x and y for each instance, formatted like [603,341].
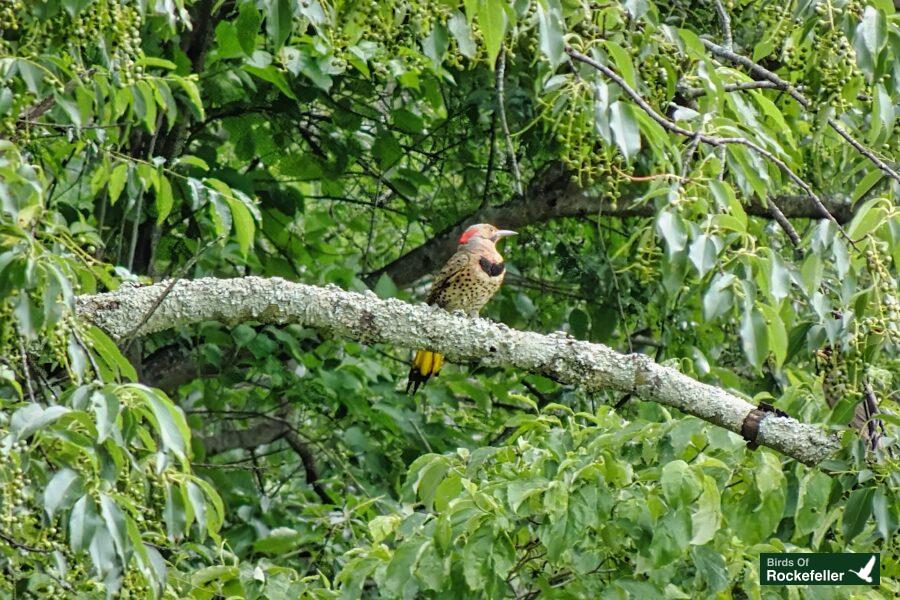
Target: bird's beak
[502,233]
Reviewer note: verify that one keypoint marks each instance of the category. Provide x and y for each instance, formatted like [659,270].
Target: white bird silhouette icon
[865,572]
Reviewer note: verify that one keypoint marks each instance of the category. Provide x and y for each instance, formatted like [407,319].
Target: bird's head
[483,232]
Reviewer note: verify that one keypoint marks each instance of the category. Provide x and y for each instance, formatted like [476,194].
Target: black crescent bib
[491,268]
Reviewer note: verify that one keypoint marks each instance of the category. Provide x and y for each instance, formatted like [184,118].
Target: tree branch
[367,319]
[270,430]
[553,195]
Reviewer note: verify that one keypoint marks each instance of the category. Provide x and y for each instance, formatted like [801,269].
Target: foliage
[320,141]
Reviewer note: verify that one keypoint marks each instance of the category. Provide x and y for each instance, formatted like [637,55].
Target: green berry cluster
[833,366]
[9,15]
[886,318]
[393,27]
[106,29]
[824,57]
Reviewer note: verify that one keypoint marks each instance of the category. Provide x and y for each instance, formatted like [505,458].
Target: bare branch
[695,92]
[725,22]
[501,101]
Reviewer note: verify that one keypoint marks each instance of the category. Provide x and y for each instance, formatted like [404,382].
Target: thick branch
[553,195]
[367,319]
[265,432]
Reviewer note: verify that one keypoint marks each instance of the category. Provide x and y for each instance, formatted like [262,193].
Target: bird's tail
[425,364]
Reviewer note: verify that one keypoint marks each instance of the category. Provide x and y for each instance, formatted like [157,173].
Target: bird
[465,283]
[866,572]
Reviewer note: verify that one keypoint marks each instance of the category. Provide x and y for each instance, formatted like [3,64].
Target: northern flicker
[468,280]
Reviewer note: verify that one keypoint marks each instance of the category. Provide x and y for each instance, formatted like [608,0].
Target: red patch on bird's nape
[467,234]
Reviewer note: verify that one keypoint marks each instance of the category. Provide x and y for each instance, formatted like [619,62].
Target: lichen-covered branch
[366,318]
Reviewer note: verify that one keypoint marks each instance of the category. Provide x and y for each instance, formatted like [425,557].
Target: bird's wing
[868,568]
[457,263]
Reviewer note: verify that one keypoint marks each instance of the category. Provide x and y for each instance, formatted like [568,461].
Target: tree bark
[367,319]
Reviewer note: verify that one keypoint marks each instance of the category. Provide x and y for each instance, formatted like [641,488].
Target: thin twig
[805,102]
[782,221]
[725,22]
[87,351]
[695,92]
[26,372]
[870,406]
[47,103]
[501,71]
[640,178]
[490,163]
[12,542]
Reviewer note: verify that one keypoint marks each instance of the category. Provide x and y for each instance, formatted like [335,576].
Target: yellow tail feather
[425,364]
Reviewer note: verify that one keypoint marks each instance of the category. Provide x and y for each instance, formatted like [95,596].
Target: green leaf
[62,490]
[279,21]
[625,129]
[885,520]
[865,184]
[429,478]
[117,182]
[274,76]
[155,61]
[728,202]
[868,218]
[193,92]
[870,37]
[754,339]
[83,522]
[385,287]
[671,537]
[115,524]
[198,503]
[435,45]
[622,61]
[520,490]
[703,254]
[776,334]
[671,227]
[461,32]
[780,277]
[244,227]
[105,406]
[247,25]
[164,199]
[706,519]
[718,298]
[227,42]
[856,512]
[33,417]
[680,484]
[400,569]
[491,15]
[812,502]
[109,353]
[172,427]
[550,29]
